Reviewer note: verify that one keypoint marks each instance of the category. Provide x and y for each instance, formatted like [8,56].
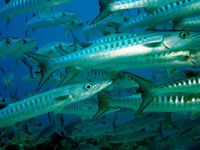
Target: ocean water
[87,10]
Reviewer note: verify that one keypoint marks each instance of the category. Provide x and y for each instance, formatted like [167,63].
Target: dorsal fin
[104,12]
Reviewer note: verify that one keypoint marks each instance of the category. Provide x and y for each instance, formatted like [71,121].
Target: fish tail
[104,105]
[147,95]
[104,12]
[45,65]
[71,72]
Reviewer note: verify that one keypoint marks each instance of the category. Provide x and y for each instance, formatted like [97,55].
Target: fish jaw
[83,92]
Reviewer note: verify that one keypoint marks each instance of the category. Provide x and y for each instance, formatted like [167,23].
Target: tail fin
[104,106]
[24,60]
[45,65]
[76,41]
[71,72]
[147,95]
[104,12]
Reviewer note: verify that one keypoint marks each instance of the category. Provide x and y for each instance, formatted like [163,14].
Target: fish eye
[24,41]
[64,14]
[126,19]
[8,41]
[88,87]
[184,35]
[131,79]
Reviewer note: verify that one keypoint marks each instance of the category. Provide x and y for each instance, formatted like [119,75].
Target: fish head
[66,16]
[86,90]
[64,46]
[124,79]
[180,39]
[77,24]
[10,43]
[28,44]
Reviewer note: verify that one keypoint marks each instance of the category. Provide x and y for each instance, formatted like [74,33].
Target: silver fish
[17,7]
[52,19]
[27,46]
[107,7]
[105,56]
[8,45]
[106,26]
[164,103]
[172,11]
[53,100]
[192,23]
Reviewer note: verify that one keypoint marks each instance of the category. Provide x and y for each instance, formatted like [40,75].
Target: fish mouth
[33,40]
[105,84]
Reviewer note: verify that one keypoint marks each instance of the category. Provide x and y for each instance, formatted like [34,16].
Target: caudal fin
[147,95]
[104,106]
[104,11]
[71,72]
[45,65]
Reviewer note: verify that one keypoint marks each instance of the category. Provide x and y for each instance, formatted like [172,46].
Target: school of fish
[97,79]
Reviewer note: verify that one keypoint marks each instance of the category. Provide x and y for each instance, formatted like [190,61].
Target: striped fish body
[168,103]
[173,11]
[31,107]
[17,7]
[187,24]
[110,6]
[165,59]
[53,19]
[53,100]
[129,4]
[84,108]
[121,79]
[188,85]
[110,53]
[106,26]
[120,50]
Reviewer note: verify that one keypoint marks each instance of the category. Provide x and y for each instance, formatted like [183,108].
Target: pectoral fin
[61,98]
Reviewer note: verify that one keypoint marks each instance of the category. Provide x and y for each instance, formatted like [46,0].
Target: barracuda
[187,24]
[85,109]
[110,6]
[188,86]
[106,26]
[17,7]
[28,45]
[112,52]
[52,19]
[8,45]
[169,59]
[164,103]
[53,100]
[172,11]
